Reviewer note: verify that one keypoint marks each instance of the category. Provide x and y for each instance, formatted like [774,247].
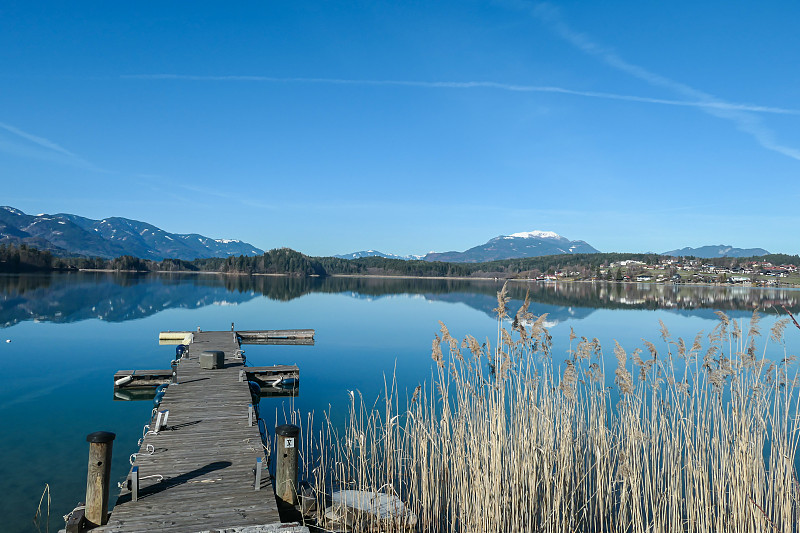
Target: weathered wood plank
[299,337]
[162,371]
[279,342]
[141,378]
[277,333]
[278,370]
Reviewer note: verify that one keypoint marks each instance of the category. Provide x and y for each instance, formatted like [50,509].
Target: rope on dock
[150,451]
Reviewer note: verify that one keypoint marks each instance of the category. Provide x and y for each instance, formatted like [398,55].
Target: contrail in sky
[697,101]
[41,141]
[741,115]
[52,150]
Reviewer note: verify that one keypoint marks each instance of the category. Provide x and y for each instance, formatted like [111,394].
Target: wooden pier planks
[142,378]
[207,454]
[149,379]
[301,337]
[261,372]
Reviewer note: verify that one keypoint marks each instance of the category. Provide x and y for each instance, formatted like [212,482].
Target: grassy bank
[692,436]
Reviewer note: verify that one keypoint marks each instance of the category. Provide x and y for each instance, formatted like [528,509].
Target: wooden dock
[198,473]
[142,384]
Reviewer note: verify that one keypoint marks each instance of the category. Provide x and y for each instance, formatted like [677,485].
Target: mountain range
[719,250]
[375,253]
[539,243]
[66,234]
[525,244]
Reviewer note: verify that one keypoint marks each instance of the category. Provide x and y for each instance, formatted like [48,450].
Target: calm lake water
[69,333]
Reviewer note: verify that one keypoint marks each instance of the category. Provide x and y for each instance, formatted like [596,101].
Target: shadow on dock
[168,483]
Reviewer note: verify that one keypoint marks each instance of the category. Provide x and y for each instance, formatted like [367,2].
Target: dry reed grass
[691,439]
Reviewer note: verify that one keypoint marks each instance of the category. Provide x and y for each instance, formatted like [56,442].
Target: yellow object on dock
[175,337]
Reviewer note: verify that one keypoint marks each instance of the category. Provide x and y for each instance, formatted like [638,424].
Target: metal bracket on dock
[258,473]
[161,421]
[135,483]
[241,375]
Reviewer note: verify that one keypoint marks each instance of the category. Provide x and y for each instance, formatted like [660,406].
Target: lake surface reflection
[69,333]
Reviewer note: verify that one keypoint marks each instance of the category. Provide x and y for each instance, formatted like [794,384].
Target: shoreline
[439,278]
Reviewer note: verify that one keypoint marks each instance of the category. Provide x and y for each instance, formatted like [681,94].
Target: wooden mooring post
[98,477]
[286,467]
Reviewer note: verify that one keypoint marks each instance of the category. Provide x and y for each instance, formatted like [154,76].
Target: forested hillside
[285,261]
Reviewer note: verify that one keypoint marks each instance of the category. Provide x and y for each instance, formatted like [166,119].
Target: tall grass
[691,437]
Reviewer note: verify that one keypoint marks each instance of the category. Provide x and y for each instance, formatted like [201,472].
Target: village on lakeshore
[677,270]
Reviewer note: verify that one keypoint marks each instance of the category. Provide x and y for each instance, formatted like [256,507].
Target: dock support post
[258,473]
[98,476]
[135,483]
[286,468]
[174,372]
[241,375]
[250,415]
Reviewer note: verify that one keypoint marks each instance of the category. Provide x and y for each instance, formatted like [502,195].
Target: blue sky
[331,127]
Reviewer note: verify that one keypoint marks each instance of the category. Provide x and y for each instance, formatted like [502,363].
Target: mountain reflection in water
[71,297]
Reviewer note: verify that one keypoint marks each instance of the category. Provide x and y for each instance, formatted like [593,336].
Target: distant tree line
[276,261]
[775,259]
[285,261]
[24,258]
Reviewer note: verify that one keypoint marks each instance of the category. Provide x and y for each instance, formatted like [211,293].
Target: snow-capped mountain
[523,244]
[536,235]
[66,234]
[375,253]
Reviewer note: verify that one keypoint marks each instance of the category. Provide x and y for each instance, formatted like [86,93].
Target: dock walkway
[207,455]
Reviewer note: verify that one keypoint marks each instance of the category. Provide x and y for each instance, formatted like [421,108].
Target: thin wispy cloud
[742,116]
[697,100]
[231,197]
[41,148]
[41,141]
